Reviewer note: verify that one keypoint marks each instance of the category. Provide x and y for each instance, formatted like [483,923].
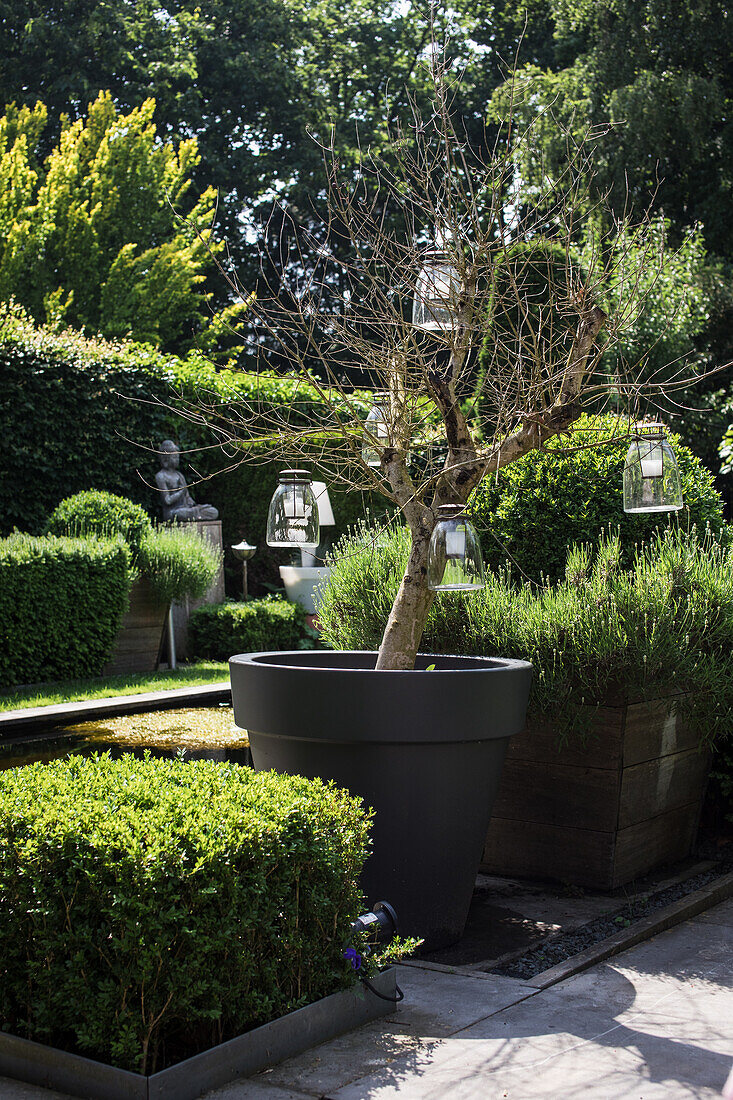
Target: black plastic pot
[425,749]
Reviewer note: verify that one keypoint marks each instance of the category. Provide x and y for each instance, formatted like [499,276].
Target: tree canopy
[102,234]
[655,80]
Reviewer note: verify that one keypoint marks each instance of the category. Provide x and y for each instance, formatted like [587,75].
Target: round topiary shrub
[150,909]
[571,490]
[93,512]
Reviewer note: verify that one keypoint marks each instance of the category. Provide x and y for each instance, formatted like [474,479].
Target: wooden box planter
[244,1056]
[138,642]
[602,812]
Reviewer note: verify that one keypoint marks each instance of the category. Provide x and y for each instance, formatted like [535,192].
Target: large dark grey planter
[424,749]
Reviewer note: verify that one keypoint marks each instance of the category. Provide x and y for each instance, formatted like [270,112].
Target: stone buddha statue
[176,501]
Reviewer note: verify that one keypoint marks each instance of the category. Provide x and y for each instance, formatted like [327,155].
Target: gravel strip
[558,949]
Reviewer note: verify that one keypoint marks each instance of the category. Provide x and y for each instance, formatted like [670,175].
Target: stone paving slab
[436,1006]
[254,1090]
[655,1023]
[721,914]
[16,1090]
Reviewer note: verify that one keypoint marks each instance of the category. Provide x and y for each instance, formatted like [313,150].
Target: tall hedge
[61,604]
[79,413]
[152,908]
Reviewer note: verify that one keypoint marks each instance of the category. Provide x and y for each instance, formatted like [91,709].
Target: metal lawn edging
[244,1056]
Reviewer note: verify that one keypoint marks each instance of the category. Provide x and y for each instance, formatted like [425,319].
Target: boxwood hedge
[219,630]
[61,604]
[152,908]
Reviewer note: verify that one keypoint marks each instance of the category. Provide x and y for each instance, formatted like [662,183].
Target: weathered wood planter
[241,1057]
[602,812]
[138,642]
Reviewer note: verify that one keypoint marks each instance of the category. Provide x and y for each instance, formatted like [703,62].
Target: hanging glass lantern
[376,434]
[651,477]
[436,292]
[293,516]
[455,563]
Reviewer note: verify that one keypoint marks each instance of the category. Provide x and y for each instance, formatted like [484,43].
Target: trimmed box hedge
[220,630]
[150,909]
[61,605]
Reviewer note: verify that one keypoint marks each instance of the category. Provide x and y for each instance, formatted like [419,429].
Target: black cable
[395,1000]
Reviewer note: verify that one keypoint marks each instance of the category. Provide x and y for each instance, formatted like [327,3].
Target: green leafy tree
[258,77]
[107,235]
[655,80]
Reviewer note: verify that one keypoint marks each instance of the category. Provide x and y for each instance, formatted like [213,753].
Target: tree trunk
[409,612]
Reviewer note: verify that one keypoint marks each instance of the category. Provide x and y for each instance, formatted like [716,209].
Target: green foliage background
[152,908]
[102,234]
[80,414]
[61,604]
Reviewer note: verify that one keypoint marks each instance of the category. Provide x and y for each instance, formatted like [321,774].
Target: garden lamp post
[243,551]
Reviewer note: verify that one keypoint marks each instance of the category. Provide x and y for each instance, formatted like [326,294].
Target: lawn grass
[104,687]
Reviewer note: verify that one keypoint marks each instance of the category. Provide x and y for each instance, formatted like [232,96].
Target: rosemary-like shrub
[662,626]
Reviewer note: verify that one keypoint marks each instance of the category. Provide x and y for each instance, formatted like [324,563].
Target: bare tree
[513,363]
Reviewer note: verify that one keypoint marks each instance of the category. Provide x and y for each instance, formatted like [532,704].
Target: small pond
[197,733]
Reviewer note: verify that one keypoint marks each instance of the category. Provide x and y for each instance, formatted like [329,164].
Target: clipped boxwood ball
[572,489]
[93,512]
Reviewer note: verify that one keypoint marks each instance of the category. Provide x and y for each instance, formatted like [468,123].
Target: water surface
[197,733]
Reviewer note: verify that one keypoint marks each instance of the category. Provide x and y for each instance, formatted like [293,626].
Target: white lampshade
[325,511]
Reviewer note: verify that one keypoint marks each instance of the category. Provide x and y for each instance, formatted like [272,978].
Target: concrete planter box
[601,813]
[138,642]
[241,1057]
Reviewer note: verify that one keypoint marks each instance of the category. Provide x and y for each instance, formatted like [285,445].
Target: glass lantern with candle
[376,433]
[292,520]
[651,477]
[455,563]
